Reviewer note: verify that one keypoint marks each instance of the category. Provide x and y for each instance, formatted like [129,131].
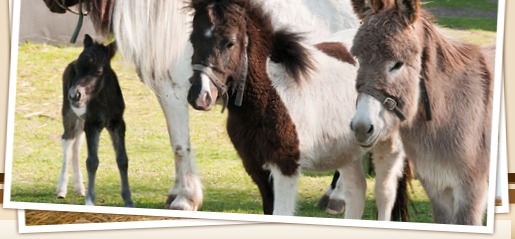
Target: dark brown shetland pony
[437,92]
[289,106]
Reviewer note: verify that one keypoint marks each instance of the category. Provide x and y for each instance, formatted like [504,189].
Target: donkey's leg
[470,202]
[351,189]
[92,137]
[285,191]
[388,159]
[117,133]
[441,201]
[186,194]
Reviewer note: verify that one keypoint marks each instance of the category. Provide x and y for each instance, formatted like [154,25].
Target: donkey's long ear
[111,48]
[88,41]
[365,8]
[409,10]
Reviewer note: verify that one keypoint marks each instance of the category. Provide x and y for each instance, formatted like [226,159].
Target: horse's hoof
[169,201]
[335,207]
[182,203]
[323,202]
[129,204]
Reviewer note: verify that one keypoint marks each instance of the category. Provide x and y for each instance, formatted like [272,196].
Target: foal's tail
[400,208]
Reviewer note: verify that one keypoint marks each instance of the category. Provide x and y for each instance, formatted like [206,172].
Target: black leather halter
[392,103]
[239,86]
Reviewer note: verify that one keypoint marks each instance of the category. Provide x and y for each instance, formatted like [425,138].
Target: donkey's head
[89,69]
[389,47]
[219,40]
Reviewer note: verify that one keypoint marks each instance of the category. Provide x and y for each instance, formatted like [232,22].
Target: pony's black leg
[92,136]
[117,133]
[324,201]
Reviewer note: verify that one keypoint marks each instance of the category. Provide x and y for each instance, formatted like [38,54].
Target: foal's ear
[88,41]
[111,48]
[409,10]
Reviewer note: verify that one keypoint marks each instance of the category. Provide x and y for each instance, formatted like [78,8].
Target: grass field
[227,188]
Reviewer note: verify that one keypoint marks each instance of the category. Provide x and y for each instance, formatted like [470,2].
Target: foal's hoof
[129,204]
[335,207]
[61,195]
[323,202]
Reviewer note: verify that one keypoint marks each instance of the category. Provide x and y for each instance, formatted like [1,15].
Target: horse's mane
[283,46]
[101,14]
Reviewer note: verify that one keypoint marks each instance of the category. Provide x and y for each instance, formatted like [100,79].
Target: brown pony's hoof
[335,207]
[323,202]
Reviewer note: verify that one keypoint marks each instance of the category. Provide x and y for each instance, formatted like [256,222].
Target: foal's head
[90,70]
[389,47]
[219,41]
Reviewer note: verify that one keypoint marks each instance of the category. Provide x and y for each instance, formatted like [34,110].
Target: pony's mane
[283,46]
[101,14]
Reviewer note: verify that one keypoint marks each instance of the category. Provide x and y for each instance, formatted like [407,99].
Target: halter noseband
[392,103]
[221,87]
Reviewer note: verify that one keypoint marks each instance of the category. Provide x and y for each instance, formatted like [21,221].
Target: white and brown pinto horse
[437,93]
[290,105]
[153,34]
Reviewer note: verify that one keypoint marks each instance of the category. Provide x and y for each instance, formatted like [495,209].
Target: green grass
[469,23]
[463,4]
[227,187]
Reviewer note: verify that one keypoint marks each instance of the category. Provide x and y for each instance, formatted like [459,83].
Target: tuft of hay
[37,218]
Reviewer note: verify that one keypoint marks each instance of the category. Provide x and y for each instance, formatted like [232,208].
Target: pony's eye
[229,45]
[397,66]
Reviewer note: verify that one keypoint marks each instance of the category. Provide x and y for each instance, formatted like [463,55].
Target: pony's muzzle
[202,94]
[76,94]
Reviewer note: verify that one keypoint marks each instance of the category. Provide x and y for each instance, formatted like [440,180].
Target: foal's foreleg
[117,134]
[71,142]
[186,194]
[92,137]
[470,201]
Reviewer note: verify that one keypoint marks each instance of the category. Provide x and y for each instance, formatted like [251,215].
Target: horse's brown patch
[336,50]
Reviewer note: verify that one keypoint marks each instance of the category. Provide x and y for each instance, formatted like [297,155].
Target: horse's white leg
[285,191]
[388,159]
[78,182]
[186,194]
[62,182]
[351,189]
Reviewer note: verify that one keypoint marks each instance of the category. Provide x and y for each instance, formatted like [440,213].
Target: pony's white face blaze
[371,123]
[208,93]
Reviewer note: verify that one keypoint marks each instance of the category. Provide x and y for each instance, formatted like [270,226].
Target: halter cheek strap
[388,102]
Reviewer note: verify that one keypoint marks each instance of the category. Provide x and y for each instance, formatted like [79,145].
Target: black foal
[92,101]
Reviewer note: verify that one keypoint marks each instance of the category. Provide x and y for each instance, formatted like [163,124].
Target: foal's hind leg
[186,193]
[117,133]
[388,159]
[92,137]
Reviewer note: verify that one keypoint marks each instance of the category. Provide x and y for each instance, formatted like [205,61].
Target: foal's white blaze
[79,111]
[205,92]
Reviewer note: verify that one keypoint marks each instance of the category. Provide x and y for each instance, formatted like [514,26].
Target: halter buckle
[389,103]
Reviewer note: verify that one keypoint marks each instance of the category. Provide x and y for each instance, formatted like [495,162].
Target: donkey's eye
[397,66]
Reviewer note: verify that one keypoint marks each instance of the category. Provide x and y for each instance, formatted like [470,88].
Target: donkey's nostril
[371,129]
